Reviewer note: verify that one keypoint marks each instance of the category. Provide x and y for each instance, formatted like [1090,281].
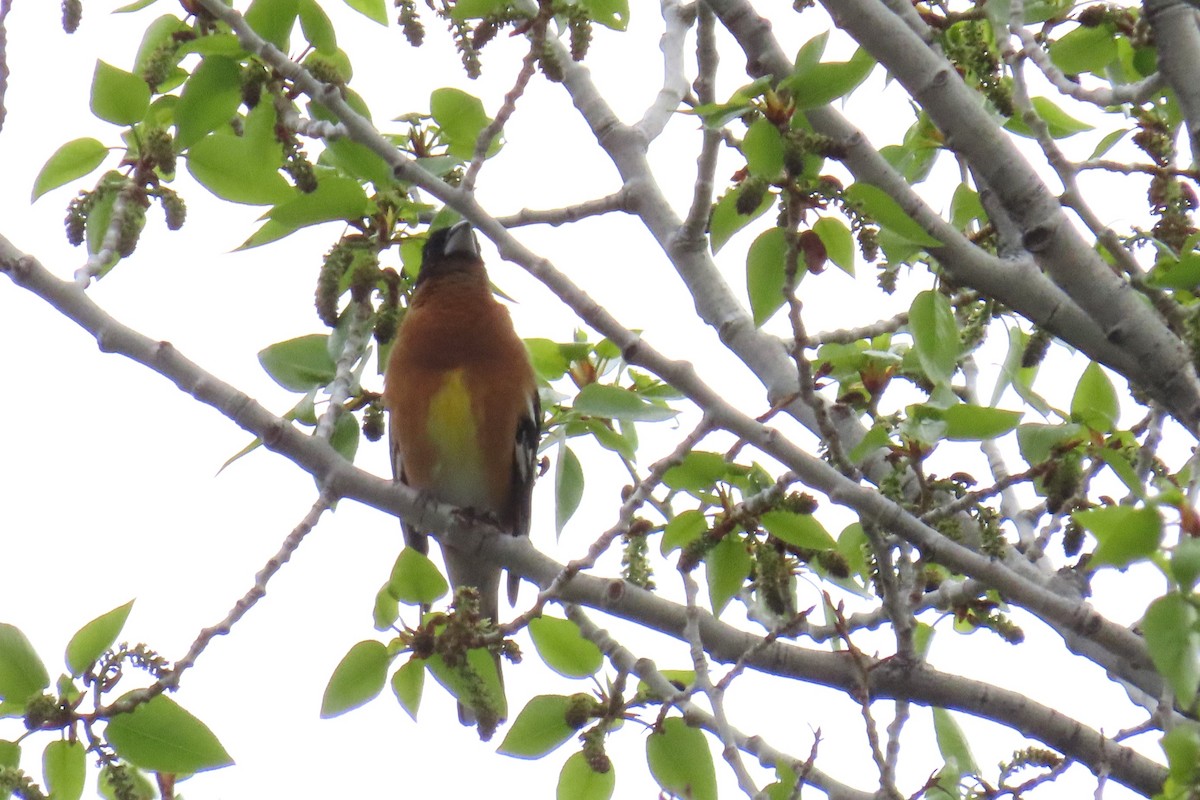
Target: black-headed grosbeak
[463,404]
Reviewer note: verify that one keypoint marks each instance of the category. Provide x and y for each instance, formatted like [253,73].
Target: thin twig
[617,201]
[537,38]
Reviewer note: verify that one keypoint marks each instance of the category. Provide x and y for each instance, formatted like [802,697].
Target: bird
[463,408]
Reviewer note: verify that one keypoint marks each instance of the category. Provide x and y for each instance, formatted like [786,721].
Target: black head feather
[449,249]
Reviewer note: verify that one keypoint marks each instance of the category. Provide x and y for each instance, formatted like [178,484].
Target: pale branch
[1177,41]
[1161,362]
[1010,507]
[707,59]
[257,592]
[804,370]
[354,346]
[1017,283]
[1115,648]
[1126,168]
[625,661]
[860,666]
[170,681]
[1072,197]
[1103,96]
[292,120]
[5,7]
[339,479]
[625,515]
[98,261]
[617,201]
[677,19]
[1148,452]
[847,335]
[973,498]
[722,728]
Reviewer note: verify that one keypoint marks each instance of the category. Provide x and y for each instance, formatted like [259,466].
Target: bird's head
[451,249]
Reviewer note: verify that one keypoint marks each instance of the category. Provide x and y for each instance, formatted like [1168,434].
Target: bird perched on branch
[463,405]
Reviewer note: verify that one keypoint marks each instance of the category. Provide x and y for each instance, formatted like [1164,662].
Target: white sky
[108,488]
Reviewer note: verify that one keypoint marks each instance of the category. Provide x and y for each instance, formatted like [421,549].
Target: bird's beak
[461,240]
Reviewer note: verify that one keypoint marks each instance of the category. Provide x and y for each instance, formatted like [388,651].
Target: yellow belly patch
[458,476]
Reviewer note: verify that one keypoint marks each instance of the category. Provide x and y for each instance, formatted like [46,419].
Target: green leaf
[1170,630]
[728,566]
[698,472]
[878,205]
[611,439]
[799,530]
[952,744]
[966,207]
[1182,747]
[568,487]
[10,753]
[461,118]
[160,736]
[1185,563]
[763,148]
[478,9]
[118,96]
[23,676]
[765,273]
[935,335]
[141,788]
[317,28]
[1108,143]
[64,765]
[486,678]
[809,54]
[782,788]
[345,436]
[1095,401]
[820,84]
[273,20]
[539,729]
[1085,49]
[334,199]
[386,609]
[685,528]
[1037,441]
[612,14]
[209,100]
[563,647]
[726,221]
[408,683]
[680,761]
[238,169]
[1123,468]
[838,241]
[970,423]
[137,5]
[578,781]
[1060,124]
[1124,534]
[374,10]
[359,161]
[415,579]
[877,437]
[358,678]
[90,641]
[73,160]
[299,364]
[613,402]
[159,34]
[548,359]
